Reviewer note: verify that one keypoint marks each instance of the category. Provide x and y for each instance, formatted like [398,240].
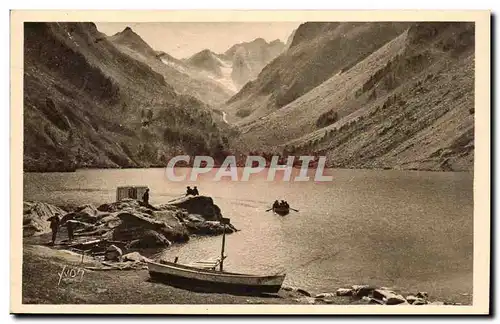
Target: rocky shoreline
[127,282]
[128,224]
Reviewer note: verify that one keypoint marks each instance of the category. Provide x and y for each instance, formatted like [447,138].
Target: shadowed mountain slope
[87,104]
[409,104]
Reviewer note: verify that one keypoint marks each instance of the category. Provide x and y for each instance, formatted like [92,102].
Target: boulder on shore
[200,205]
[85,214]
[360,291]
[140,230]
[135,225]
[389,297]
[344,292]
[148,239]
[135,257]
[119,205]
[113,253]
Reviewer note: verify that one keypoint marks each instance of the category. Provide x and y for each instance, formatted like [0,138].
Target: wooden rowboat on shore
[213,280]
[203,275]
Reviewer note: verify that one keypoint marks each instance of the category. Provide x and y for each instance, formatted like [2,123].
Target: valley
[365,95]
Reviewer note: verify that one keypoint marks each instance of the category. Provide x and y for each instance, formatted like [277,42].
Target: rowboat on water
[204,275]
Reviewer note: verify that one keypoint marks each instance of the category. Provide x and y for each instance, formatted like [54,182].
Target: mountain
[249,58]
[407,104]
[88,104]
[184,78]
[239,64]
[207,61]
[318,51]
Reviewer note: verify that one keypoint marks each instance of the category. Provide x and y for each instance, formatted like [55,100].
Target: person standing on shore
[69,227]
[145,198]
[54,226]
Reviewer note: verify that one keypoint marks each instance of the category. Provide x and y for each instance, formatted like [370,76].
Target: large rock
[208,228]
[174,229]
[148,239]
[172,218]
[418,301]
[79,227]
[113,253]
[389,297]
[200,205]
[84,216]
[422,294]
[411,299]
[344,292]
[135,257]
[141,230]
[35,215]
[132,223]
[134,218]
[436,303]
[360,291]
[324,295]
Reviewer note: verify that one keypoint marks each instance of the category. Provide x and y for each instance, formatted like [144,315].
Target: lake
[411,230]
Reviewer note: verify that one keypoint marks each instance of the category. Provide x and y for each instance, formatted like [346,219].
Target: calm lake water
[406,229]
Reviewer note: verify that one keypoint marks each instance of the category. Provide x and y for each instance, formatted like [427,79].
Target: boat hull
[211,280]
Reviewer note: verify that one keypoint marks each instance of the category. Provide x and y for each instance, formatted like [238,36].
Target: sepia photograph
[285,162]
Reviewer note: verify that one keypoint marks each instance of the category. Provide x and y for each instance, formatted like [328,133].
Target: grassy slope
[186,82]
[409,111]
[84,102]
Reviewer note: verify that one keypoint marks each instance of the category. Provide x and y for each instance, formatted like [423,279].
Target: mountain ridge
[419,83]
[185,80]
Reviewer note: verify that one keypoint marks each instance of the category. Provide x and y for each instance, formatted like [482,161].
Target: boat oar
[175,198]
[294,209]
[269,209]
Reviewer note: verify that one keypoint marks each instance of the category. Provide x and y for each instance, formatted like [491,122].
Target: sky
[183,39]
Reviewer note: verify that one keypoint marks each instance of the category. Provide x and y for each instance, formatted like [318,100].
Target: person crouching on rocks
[195,191]
[54,226]
[189,191]
[145,200]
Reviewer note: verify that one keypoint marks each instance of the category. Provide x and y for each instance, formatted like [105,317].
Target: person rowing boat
[281,207]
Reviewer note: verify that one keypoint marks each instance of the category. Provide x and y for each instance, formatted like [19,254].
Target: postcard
[250,162]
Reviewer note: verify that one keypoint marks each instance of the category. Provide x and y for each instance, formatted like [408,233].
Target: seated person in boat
[276,204]
[283,204]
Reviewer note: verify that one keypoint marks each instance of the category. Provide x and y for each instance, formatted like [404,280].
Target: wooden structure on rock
[132,192]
